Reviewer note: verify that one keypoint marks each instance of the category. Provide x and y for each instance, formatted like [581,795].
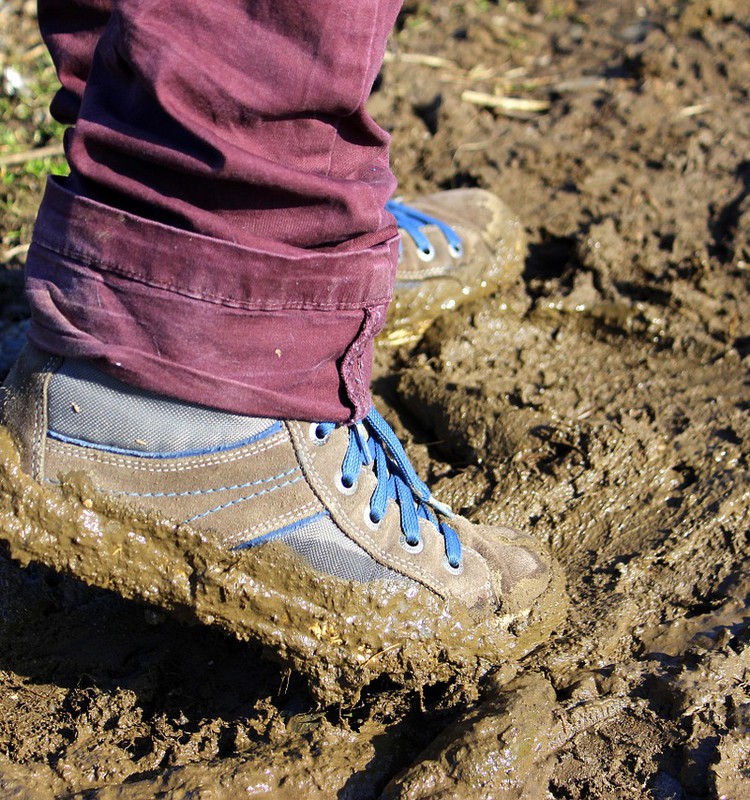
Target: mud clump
[500,750]
[601,404]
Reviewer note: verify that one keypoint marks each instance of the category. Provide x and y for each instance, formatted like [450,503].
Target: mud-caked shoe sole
[456,246]
[316,540]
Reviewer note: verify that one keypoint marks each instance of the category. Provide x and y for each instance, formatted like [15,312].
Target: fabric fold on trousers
[207,320]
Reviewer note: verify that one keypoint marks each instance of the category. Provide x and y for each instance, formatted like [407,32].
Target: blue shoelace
[373,442]
[412,221]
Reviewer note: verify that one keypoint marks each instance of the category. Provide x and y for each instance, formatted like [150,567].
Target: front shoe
[344,499]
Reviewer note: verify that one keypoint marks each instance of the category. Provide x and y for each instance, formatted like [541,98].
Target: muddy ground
[602,403]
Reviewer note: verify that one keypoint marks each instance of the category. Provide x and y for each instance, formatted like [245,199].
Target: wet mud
[601,403]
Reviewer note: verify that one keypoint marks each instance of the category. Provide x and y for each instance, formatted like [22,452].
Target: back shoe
[456,245]
[344,499]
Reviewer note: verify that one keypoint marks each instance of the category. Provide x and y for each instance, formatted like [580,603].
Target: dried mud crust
[340,635]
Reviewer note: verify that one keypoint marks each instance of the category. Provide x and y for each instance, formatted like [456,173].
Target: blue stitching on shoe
[197,492]
[291,528]
[373,442]
[121,451]
[411,221]
[243,499]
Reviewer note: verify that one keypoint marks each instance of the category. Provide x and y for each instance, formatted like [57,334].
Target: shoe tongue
[90,406]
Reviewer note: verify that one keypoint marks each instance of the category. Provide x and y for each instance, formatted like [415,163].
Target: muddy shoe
[455,246]
[344,499]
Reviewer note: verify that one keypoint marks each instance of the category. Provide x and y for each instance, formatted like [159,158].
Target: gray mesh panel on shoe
[329,550]
[87,404]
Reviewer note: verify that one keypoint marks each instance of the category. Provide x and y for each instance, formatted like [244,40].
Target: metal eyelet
[314,438]
[453,570]
[426,255]
[457,250]
[370,522]
[342,487]
[414,549]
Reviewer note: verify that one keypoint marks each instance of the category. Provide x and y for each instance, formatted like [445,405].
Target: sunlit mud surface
[601,403]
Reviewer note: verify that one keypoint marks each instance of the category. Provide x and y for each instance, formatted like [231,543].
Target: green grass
[26,124]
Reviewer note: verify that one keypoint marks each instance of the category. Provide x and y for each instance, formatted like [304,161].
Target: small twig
[423,59]
[33,53]
[692,111]
[284,685]
[516,72]
[507,105]
[15,159]
[481,73]
[381,652]
[582,84]
[401,336]
[471,147]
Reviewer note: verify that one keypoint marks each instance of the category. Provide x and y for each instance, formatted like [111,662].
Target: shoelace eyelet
[413,221]
[342,487]
[315,436]
[414,549]
[453,570]
[370,522]
[373,445]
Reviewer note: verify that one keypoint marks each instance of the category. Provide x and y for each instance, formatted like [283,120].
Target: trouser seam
[86,261]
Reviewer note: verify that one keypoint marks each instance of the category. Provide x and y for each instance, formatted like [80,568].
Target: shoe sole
[340,636]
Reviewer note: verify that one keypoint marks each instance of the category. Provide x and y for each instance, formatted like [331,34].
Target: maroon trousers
[222,236]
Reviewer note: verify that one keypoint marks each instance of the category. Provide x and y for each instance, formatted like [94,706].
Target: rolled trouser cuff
[285,334]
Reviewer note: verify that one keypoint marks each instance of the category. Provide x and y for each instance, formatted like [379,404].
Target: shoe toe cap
[520,567]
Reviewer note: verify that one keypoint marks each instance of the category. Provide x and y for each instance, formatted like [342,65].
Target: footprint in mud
[504,748]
